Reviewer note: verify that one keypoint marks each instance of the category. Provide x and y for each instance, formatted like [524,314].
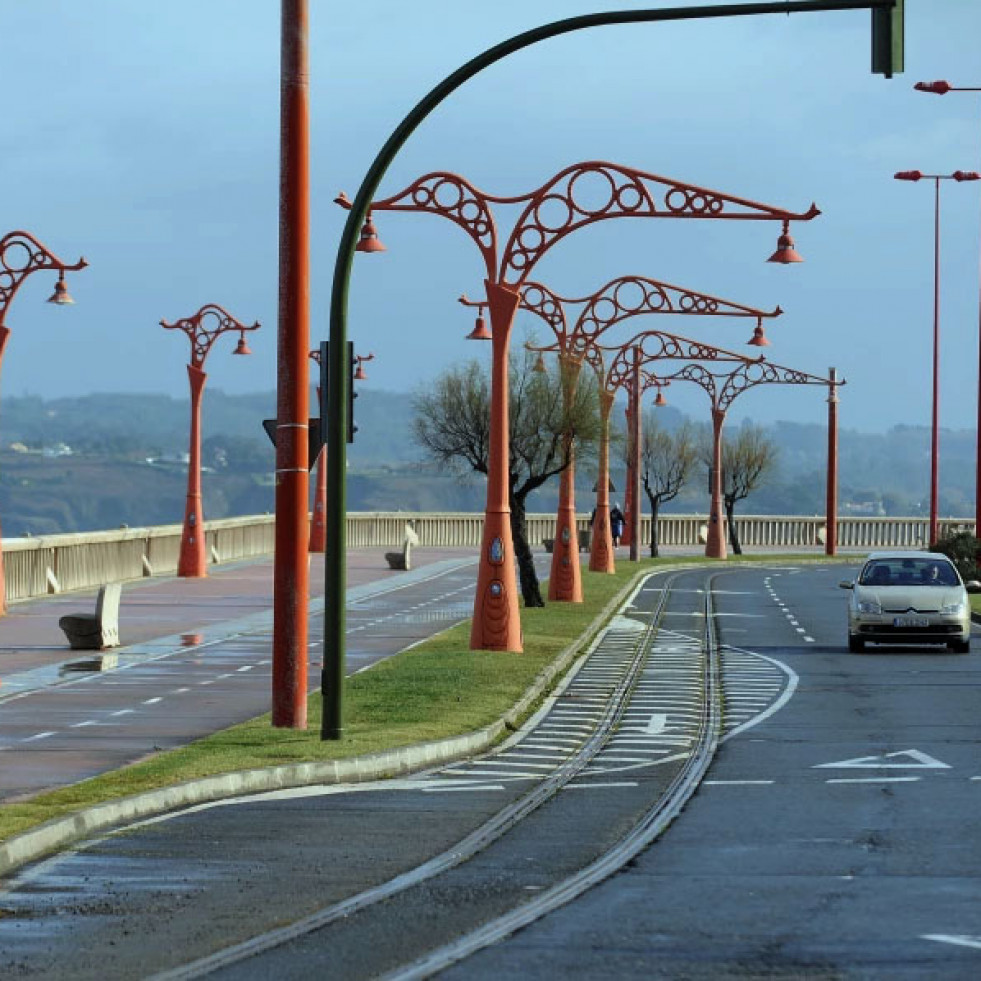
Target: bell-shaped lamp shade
[369,241]
[786,253]
[359,373]
[242,347]
[758,339]
[61,296]
[480,331]
[539,364]
[659,399]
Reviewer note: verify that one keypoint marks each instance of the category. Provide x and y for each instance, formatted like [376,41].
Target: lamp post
[614,302]
[723,388]
[942,87]
[20,255]
[202,329]
[577,196]
[959,176]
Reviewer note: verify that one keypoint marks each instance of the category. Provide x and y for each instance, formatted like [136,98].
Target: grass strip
[436,689]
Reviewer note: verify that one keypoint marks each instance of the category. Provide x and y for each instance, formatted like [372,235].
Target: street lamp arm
[592,191]
[20,255]
[204,327]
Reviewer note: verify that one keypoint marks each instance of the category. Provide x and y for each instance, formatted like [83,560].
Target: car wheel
[960,646]
[855,645]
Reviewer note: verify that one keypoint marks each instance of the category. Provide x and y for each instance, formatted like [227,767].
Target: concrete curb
[58,833]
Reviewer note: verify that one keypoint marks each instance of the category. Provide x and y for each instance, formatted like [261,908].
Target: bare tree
[749,456]
[666,463]
[452,423]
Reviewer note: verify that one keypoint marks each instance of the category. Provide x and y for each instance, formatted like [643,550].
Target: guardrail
[56,563]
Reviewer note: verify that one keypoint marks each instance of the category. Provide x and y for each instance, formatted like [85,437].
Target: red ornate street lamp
[577,196]
[723,388]
[20,255]
[941,87]
[614,302]
[202,329]
[959,176]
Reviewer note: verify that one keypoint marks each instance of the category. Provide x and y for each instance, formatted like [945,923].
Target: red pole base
[192,562]
[496,620]
[715,546]
[601,557]
[565,579]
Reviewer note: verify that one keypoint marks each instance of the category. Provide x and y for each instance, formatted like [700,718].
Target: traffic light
[351,393]
[887,39]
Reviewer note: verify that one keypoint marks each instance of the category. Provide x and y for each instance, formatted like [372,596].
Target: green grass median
[437,689]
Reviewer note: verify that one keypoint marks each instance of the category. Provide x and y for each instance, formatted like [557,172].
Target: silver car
[909,598]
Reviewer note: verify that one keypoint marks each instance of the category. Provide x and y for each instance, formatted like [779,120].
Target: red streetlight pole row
[942,87]
[579,195]
[202,329]
[20,255]
[958,176]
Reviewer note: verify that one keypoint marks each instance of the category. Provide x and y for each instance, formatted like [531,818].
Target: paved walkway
[180,612]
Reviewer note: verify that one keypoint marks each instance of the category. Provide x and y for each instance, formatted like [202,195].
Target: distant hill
[122,454]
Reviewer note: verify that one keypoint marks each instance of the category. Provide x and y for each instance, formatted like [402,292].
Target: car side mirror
[973,586]
[848,584]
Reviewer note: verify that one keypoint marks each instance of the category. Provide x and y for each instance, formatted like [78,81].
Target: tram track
[546,790]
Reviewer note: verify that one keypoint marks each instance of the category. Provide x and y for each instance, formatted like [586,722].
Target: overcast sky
[144,136]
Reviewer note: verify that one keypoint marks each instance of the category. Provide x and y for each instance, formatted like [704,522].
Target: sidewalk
[178,612]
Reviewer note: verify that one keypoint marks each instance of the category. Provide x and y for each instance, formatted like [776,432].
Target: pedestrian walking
[616,524]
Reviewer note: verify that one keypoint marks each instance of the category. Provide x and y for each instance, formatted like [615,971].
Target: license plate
[911,622]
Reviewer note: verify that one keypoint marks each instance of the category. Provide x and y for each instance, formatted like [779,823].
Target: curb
[55,835]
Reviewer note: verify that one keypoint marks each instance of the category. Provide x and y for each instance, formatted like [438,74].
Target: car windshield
[908,572]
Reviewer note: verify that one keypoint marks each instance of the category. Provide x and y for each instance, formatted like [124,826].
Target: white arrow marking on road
[947,938]
[656,724]
[914,759]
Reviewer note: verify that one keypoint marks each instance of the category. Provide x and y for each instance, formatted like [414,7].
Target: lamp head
[785,253]
[966,175]
[480,331]
[242,347]
[539,365]
[940,87]
[659,399]
[758,339]
[369,241]
[359,373]
[61,296]
[908,175]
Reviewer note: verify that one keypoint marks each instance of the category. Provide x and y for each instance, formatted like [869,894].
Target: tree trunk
[655,551]
[527,576]
[733,534]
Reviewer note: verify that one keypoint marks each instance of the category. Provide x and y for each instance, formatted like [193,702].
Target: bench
[99,630]
[585,540]
[400,560]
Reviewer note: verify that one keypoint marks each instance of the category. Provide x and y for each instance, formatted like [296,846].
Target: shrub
[962,549]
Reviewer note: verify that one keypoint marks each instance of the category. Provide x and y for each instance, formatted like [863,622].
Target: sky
[145,136]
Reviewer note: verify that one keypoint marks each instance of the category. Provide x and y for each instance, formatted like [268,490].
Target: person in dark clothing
[616,524]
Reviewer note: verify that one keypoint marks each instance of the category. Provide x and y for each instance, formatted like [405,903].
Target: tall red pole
[601,544]
[831,509]
[635,435]
[290,572]
[192,561]
[565,579]
[496,622]
[935,425]
[715,546]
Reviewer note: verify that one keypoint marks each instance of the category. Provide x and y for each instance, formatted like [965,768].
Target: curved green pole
[338,373]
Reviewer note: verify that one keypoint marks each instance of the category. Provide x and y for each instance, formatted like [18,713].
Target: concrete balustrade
[57,563]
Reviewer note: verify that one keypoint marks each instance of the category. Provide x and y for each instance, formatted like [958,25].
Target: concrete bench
[585,540]
[400,560]
[99,630]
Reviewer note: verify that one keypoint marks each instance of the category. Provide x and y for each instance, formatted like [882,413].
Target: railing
[56,563]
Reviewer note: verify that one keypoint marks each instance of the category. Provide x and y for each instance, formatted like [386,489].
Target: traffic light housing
[887,39]
[352,362]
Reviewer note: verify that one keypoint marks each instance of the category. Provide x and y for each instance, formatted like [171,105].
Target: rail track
[641,654]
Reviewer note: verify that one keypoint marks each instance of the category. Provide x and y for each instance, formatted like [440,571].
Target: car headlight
[956,607]
[869,606]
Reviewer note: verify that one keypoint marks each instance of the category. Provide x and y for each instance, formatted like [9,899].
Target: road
[834,835]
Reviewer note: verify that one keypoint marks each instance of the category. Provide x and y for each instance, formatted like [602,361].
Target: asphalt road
[835,836]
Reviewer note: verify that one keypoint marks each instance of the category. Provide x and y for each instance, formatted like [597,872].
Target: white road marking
[39,735]
[917,760]
[949,938]
[245,667]
[123,712]
[873,780]
[87,722]
[152,701]
[736,783]
[599,786]
[451,789]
